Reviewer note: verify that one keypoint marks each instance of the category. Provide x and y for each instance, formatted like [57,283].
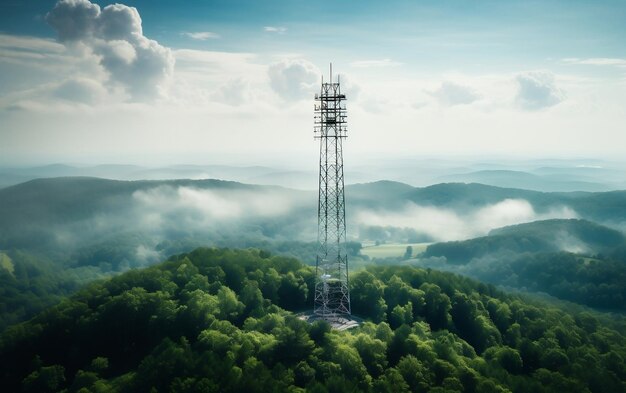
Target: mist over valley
[85,227]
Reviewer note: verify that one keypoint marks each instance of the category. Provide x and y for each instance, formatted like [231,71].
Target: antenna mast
[332,295]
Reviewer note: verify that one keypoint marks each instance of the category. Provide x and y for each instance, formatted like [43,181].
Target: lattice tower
[332,295]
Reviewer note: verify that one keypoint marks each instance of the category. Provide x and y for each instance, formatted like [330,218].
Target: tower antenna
[332,295]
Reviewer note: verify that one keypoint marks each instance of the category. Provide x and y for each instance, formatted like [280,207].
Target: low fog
[167,206]
[445,224]
[122,224]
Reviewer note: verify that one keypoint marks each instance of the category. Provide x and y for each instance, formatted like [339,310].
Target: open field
[392,249]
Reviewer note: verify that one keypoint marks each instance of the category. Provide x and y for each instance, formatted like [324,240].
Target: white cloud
[450,93]
[537,90]
[293,79]
[37,55]
[275,29]
[201,35]
[597,61]
[117,53]
[375,63]
[212,62]
[74,19]
[33,45]
[28,63]
[114,34]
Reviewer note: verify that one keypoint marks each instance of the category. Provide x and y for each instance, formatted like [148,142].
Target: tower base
[338,322]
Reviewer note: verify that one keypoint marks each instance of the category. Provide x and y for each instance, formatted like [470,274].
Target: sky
[232,82]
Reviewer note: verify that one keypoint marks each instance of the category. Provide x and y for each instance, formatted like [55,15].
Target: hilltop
[223,320]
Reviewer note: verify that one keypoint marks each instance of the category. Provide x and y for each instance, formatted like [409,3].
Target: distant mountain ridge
[539,175]
[528,181]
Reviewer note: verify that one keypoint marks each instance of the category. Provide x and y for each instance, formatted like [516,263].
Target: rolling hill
[571,235]
[574,260]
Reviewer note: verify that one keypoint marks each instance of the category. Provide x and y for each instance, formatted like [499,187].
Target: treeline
[219,320]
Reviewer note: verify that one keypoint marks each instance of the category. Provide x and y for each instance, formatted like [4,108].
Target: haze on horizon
[161,83]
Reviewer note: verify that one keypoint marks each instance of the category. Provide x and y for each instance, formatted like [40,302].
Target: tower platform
[339,322]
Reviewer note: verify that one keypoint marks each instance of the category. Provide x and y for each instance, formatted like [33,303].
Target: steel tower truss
[332,296]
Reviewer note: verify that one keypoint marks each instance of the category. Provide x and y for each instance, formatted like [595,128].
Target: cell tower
[332,295]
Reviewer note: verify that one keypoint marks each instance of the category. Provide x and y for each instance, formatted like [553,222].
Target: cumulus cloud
[73,19]
[114,34]
[537,90]
[446,224]
[450,93]
[293,79]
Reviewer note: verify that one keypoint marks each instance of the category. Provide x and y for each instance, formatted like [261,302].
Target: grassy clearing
[392,249]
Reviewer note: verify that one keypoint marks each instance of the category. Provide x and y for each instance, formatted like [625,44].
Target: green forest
[530,257]
[223,320]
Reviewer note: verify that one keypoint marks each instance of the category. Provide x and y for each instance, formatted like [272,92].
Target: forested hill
[574,260]
[219,320]
[574,235]
[594,235]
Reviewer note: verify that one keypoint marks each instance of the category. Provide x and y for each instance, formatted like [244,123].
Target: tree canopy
[221,320]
